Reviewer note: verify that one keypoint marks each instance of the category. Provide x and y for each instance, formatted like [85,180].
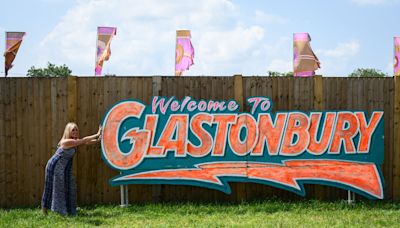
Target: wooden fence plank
[72,109]
[82,157]
[156,190]
[111,193]
[388,98]
[48,132]
[40,137]
[396,155]
[13,174]
[2,140]
[7,139]
[101,166]
[21,122]
[377,94]
[7,135]
[319,190]
[238,93]
[94,150]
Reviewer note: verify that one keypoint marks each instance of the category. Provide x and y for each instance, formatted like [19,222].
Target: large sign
[209,143]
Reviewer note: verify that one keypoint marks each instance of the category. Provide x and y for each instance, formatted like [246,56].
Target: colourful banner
[396,56]
[184,53]
[208,143]
[13,42]
[305,62]
[104,37]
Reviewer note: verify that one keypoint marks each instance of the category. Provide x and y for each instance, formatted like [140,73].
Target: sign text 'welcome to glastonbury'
[209,143]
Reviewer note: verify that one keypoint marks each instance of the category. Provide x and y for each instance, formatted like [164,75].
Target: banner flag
[396,56]
[305,62]
[184,53]
[103,51]
[13,42]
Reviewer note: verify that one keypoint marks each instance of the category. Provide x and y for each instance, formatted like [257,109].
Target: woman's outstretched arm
[91,139]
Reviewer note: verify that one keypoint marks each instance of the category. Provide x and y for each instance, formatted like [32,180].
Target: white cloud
[281,65]
[227,45]
[224,49]
[342,50]
[339,58]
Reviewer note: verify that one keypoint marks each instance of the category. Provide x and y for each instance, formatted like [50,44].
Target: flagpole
[176,37]
[5,48]
[95,50]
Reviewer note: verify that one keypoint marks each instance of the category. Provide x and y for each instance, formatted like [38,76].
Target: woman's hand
[99,131]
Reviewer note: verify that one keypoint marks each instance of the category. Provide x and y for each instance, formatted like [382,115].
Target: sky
[248,37]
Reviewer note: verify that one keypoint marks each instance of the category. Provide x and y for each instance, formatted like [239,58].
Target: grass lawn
[255,214]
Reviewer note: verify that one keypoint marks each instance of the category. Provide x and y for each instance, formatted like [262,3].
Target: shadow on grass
[108,214]
[271,205]
[266,207]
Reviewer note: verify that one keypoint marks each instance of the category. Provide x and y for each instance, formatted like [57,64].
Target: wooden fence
[34,111]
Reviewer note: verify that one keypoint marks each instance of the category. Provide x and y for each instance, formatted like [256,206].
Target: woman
[59,193]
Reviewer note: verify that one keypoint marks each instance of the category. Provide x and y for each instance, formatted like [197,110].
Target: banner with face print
[13,43]
[184,53]
[305,62]
[103,51]
[396,56]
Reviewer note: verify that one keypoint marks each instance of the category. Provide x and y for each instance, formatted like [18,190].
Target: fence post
[396,156]
[319,190]
[72,98]
[238,93]
[72,109]
[318,93]
[156,188]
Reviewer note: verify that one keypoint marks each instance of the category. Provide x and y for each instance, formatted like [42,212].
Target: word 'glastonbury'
[210,129]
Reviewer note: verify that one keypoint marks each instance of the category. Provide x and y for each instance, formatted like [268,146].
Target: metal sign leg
[351,197]
[124,195]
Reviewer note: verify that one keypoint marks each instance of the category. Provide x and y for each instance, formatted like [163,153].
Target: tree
[51,71]
[367,72]
[279,74]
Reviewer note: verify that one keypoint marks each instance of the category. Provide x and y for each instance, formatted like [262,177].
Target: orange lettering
[346,134]
[177,123]
[366,130]
[206,141]
[269,132]
[319,147]
[238,146]
[297,125]
[223,121]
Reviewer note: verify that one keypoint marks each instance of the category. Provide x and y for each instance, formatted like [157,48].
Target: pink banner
[103,51]
[396,56]
[13,42]
[305,62]
[184,52]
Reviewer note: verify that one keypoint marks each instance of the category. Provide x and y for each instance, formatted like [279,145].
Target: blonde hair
[68,129]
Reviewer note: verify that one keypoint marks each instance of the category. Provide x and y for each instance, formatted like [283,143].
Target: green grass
[256,214]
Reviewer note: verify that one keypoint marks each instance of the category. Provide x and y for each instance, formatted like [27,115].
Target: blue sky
[229,37]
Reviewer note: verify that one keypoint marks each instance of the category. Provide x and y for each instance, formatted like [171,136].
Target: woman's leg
[48,184]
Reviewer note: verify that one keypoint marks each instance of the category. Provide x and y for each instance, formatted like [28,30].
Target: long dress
[59,193]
